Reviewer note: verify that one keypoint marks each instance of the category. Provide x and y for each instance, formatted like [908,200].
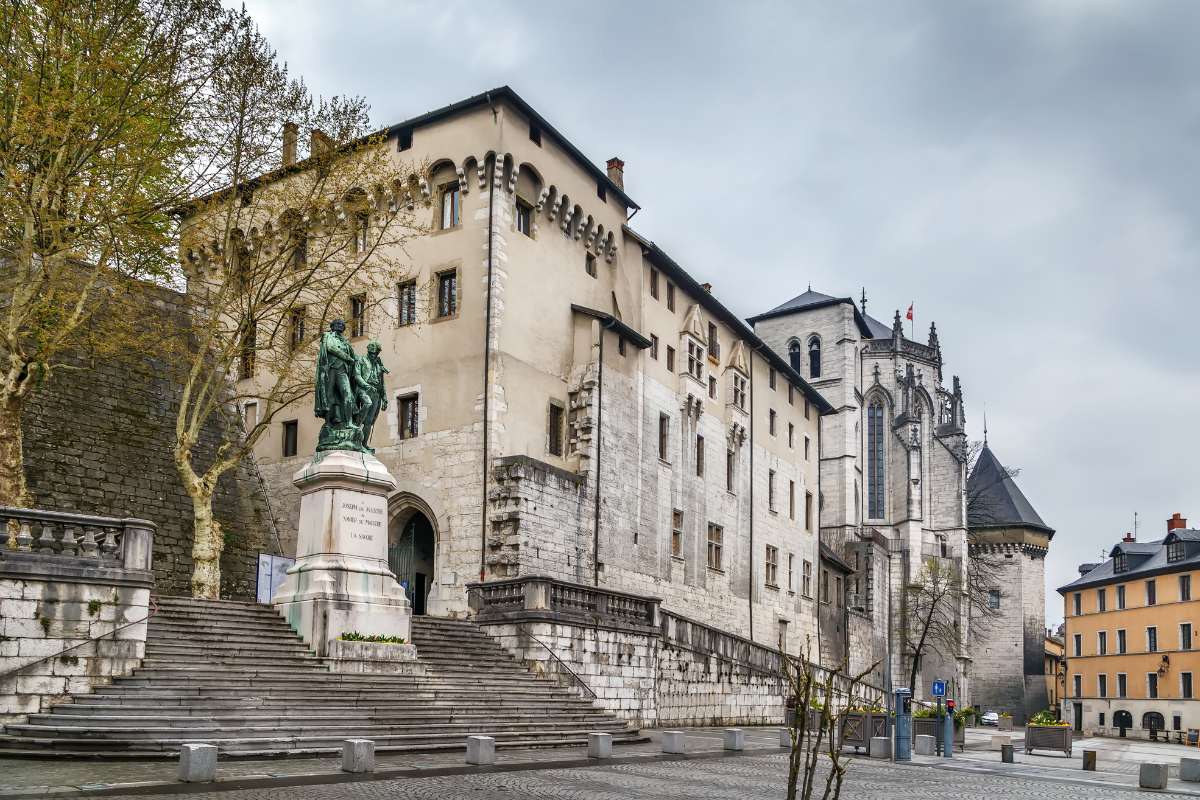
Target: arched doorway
[412,544]
[1153,721]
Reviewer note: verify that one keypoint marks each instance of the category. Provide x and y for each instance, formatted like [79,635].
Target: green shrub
[93,607]
[354,636]
[1046,718]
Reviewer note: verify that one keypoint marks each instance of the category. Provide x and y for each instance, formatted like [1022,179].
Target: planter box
[373,657]
[928,726]
[1005,724]
[1048,737]
[859,729]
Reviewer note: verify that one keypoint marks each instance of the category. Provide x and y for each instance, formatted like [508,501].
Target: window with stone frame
[670,359]
[714,342]
[771,490]
[808,511]
[1077,641]
[699,456]
[1102,685]
[589,265]
[1121,641]
[993,599]
[1151,593]
[792,500]
[712,387]
[1185,685]
[795,358]
[814,357]
[664,436]
[1152,685]
[771,378]
[1152,639]
[296,328]
[771,417]
[824,585]
[716,535]
[791,435]
[695,360]
[837,590]
[1185,636]
[1102,643]
[1185,587]
[654,347]
[358,316]
[806,579]
[670,296]
[409,409]
[771,566]
[1120,599]
[807,444]
[524,217]
[249,415]
[1122,684]
[739,390]
[730,470]
[1077,685]
[290,435]
[791,394]
[791,584]
[362,232]
[654,283]
[555,417]
[677,533]
[447,293]
[451,205]
[875,461]
[406,293]
[1101,600]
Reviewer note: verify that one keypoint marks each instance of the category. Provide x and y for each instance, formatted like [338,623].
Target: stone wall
[98,440]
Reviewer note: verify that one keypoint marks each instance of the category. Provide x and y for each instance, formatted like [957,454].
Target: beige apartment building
[566,400]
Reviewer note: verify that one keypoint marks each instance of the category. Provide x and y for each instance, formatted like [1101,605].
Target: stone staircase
[235,675]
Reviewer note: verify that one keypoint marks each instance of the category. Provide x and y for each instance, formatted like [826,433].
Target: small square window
[524,217]
[404,139]
[535,134]
[589,265]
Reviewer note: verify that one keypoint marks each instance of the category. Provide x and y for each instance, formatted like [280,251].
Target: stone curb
[977,766]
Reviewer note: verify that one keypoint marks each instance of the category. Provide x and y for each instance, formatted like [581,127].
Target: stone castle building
[566,400]
[893,472]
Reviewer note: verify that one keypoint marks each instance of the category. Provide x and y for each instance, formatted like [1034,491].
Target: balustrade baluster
[24,538]
[46,540]
[89,547]
[11,539]
[109,548]
[70,545]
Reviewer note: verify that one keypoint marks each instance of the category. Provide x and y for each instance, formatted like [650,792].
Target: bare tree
[285,248]
[934,609]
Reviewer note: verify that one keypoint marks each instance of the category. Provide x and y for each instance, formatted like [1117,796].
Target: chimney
[1129,538]
[290,133]
[1176,522]
[319,144]
[616,172]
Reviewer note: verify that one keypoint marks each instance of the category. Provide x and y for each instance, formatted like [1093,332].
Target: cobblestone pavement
[715,778]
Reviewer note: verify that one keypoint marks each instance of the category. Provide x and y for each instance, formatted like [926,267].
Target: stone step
[246,664]
[287,706]
[353,716]
[305,675]
[212,731]
[307,688]
[199,652]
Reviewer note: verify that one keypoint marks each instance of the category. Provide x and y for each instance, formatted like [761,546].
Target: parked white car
[990,718]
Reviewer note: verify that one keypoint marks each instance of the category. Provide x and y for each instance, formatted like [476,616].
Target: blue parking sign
[939,689]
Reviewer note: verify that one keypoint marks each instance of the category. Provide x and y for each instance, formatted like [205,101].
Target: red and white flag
[910,308]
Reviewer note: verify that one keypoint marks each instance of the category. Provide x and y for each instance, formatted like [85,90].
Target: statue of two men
[349,391]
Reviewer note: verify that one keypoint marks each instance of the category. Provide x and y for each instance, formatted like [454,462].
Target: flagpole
[912,320]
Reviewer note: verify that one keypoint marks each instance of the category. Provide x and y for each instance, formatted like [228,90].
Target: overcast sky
[1027,172]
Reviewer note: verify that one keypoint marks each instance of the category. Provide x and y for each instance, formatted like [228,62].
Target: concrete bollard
[925,745]
[785,738]
[1006,753]
[1089,760]
[672,742]
[197,763]
[599,745]
[999,740]
[735,739]
[1152,775]
[481,750]
[881,747]
[358,755]
[1189,769]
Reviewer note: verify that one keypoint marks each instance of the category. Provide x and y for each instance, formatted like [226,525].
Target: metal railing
[524,627]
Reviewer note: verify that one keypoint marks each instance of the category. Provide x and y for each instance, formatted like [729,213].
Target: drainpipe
[487,377]
[599,440]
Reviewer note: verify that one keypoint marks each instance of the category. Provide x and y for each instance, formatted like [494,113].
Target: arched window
[794,355]
[875,462]
[814,357]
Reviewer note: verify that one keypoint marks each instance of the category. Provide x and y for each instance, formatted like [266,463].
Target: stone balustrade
[537,598]
[92,540]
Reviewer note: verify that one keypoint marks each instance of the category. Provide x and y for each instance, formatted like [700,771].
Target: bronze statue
[369,371]
[336,399]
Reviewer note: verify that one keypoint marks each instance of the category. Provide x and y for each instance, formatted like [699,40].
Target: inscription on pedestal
[360,524]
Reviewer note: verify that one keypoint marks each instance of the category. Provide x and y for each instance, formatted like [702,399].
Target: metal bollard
[1089,760]
[1006,753]
[599,745]
[673,741]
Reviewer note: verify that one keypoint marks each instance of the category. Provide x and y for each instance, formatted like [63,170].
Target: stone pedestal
[341,582]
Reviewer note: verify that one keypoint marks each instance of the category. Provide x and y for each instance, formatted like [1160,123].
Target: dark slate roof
[1148,559]
[810,300]
[878,329]
[834,560]
[994,501]
[806,300]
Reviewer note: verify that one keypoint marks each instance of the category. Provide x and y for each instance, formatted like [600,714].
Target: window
[807,442]
[554,422]
[715,535]
[699,456]
[290,432]
[404,139]
[1102,685]
[1185,636]
[664,432]
[249,415]
[1175,551]
[1078,686]
[714,344]
[296,328]
[451,206]
[1078,641]
[1101,719]
[730,470]
[1120,598]
[1152,685]
[1121,641]
[1120,563]
[677,533]
[837,590]
[771,421]
[362,232]
[808,511]
[524,217]
[791,395]
[772,566]
[1122,684]
[1151,593]
[358,316]
[806,579]
[739,391]
[1102,643]
[1077,600]
[824,585]
[654,283]
[771,378]
[807,408]
[670,296]
[814,357]
[408,416]
[993,599]
[875,457]
[791,573]
[1185,587]
[795,358]
[1152,639]
[603,195]
[791,435]
[712,387]
[1185,685]
[249,346]
[1101,600]
[621,346]
[695,360]
[299,257]
[407,294]
[670,358]
[771,489]
[535,135]
[792,500]
[447,286]
[654,347]
[589,264]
